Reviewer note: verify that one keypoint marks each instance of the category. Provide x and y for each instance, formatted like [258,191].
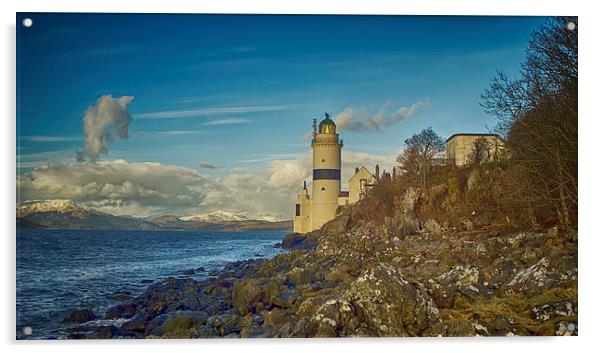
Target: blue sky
[239,91]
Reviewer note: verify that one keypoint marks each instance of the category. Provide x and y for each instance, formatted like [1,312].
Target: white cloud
[231,121]
[108,120]
[145,188]
[41,138]
[351,119]
[189,113]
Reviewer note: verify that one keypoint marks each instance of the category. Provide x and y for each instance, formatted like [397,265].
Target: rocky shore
[369,279]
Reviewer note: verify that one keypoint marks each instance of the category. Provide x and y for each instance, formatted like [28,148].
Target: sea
[62,270]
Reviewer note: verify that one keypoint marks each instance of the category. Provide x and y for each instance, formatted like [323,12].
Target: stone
[554,310]
[299,276]
[225,323]
[175,322]
[80,316]
[105,332]
[287,298]
[122,311]
[566,328]
[137,324]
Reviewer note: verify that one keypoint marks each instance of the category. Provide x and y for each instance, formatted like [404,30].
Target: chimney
[304,185]
[377,169]
[357,170]
[314,126]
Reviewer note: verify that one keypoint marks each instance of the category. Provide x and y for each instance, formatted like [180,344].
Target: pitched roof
[471,134]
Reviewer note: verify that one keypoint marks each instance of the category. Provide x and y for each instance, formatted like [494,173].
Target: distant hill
[68,214]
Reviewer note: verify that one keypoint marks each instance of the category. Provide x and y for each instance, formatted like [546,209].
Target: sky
[187,114]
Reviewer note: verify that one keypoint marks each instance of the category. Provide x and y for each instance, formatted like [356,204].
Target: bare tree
[480,151]
[420,150]
[537,113]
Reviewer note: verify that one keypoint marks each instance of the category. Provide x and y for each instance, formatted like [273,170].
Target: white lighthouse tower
[326,185]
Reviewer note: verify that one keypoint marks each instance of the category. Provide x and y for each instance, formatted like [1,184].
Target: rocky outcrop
[393,277]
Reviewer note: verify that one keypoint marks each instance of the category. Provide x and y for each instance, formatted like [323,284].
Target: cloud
[40,138]
[207,166]
[170,132]
[117,186]
[232,121]
[108,120]
[145,188]
[189,113]
[351,120]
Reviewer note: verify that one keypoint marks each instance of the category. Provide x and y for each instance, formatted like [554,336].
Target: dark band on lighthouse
[327,174]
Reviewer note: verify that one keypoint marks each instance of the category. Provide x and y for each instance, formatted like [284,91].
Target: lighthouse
[326,185]
[312,211]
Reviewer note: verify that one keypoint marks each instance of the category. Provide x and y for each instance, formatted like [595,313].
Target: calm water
[60,270]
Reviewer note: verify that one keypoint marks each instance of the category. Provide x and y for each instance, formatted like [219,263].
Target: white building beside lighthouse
[311,212]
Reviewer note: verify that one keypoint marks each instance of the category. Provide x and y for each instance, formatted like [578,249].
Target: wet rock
[135,325]
[200,269]
[122,311]
[80,316]
[189,272]
[105,332]
[77,336]
[298,241]
[121,297]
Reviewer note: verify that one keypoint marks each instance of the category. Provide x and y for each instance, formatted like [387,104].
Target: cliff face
[396,276]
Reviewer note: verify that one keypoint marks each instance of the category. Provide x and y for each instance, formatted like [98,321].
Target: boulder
[379,303]
[80,316]
[296,241]
[122,311]
[554,310]
[286,299]
[298,276]
[105,332]
[135,325]
[225,324]
[175,323]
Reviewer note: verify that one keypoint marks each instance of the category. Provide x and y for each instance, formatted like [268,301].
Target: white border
[589,132]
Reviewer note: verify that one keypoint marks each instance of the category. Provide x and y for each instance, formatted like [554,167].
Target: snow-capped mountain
[75,215]
[26,208]
[217,217]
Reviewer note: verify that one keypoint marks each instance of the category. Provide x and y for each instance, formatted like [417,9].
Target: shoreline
[367,281]
[59,325]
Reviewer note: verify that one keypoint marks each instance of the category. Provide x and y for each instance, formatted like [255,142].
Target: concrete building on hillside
[312,211]
[462,149]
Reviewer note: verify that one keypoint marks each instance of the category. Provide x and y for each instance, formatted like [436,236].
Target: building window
[323,188]
[297,210]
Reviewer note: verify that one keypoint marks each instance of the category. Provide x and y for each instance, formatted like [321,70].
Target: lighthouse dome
[327,126]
